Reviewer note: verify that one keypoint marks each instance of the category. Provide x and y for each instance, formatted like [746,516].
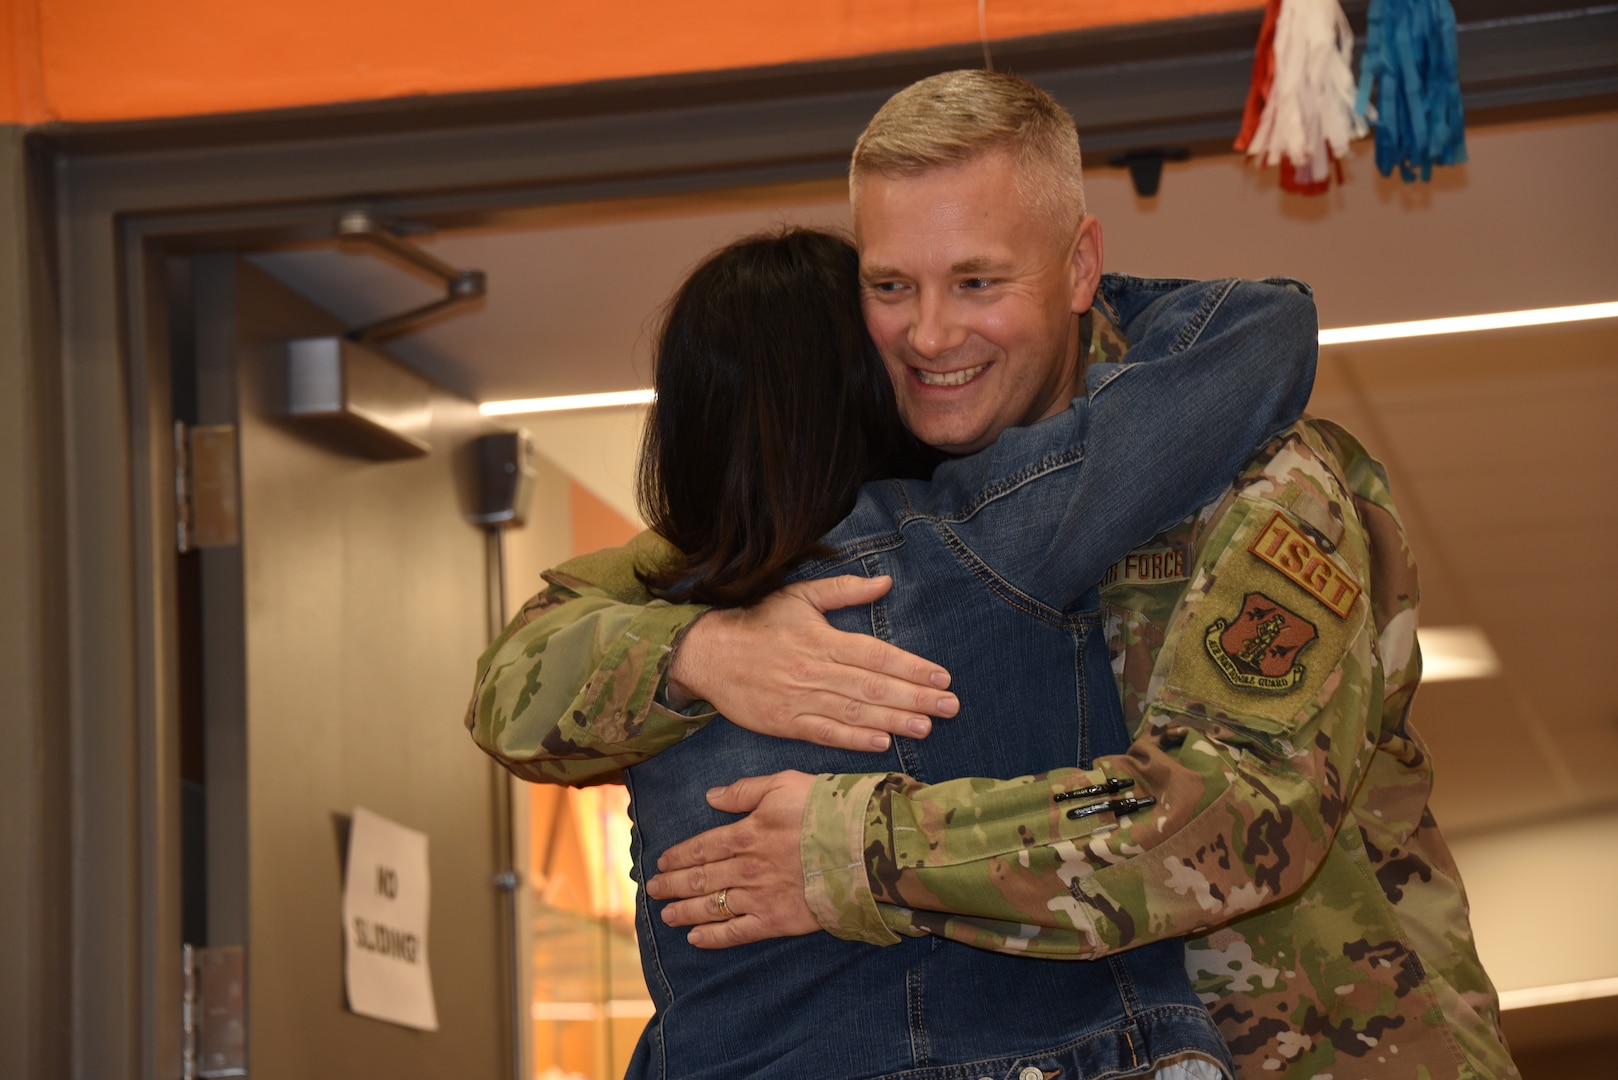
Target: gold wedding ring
[724,908]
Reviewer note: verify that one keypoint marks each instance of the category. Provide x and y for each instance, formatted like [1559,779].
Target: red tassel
[1290,181]
[1258,91]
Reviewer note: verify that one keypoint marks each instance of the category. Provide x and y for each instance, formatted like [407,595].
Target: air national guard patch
[1285,547]
[1258,650]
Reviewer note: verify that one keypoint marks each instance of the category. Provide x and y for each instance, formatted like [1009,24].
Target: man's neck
[1087,326]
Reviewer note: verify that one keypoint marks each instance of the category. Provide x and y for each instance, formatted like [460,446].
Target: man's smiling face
[973,298]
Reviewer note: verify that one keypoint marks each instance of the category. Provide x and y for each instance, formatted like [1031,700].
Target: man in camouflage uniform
[1290,843]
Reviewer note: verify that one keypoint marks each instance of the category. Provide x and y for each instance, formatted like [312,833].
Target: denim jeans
[995,563]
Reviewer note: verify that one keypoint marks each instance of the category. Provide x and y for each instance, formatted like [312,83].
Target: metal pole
[508,881]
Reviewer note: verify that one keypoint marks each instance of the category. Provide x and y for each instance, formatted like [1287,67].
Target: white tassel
[1309,116]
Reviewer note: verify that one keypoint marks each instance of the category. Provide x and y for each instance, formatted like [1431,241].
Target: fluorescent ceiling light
[566,1010]
[590,1010]
[1455,652]
[1562,993]
[1458,324]
[571,401]
[1461,324]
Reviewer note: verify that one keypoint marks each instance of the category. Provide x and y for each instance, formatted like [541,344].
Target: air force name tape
[1153,566]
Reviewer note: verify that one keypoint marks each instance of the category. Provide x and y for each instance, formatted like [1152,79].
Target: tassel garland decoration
[1410,58]
[1301,111]
[1258,91]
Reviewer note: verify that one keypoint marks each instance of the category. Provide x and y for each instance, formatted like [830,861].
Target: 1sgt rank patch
[1284,546]
[1259,648]
[1266,632]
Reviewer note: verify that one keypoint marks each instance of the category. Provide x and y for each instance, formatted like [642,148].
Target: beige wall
[1543,898]
[1528,222]
[597,447]
[545,540]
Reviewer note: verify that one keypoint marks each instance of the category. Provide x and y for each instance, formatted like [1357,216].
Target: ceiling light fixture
[590,1010]
[1530,996]
[1461,324]
[1458,324]
[1455,652]
[567,402]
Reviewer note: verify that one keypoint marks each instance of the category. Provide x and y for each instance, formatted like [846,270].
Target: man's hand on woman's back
[779,668]
[754,861]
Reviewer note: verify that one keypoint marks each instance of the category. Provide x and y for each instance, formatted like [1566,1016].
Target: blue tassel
[1410,56]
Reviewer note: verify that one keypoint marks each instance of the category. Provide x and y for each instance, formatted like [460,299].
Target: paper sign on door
[385,923]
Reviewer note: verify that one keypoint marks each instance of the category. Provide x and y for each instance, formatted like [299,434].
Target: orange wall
[11,51]
[19,62]
[92,60]
[595,524]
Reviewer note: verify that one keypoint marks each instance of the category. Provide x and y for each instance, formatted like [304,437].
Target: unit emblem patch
[1259,649]
[1286,547]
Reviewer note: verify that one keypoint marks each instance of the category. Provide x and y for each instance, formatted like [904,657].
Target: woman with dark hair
[774,453]
[772,409]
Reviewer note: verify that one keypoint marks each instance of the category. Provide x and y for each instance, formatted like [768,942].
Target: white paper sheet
[385,895]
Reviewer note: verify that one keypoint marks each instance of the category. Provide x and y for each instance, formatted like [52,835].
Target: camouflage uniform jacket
[595,622]
[1290,844]
[1266,651]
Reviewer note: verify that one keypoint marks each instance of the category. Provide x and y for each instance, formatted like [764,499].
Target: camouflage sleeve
[1253,736]
[569,691]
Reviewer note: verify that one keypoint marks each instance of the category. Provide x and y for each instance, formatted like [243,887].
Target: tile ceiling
[1502,449]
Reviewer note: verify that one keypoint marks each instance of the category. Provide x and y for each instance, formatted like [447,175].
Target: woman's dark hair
[772,409]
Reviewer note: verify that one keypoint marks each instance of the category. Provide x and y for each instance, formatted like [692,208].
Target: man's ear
[1085,261]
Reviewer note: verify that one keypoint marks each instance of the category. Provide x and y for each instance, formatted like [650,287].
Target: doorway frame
[112,202]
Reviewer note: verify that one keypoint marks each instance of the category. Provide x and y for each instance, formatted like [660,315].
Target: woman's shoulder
[961,486]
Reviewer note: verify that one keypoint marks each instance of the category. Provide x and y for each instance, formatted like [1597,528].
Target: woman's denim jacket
[995,565]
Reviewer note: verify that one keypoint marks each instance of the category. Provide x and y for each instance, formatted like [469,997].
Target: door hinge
[214,1013]
[207,507]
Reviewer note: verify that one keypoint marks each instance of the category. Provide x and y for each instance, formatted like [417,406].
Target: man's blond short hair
[960,116]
